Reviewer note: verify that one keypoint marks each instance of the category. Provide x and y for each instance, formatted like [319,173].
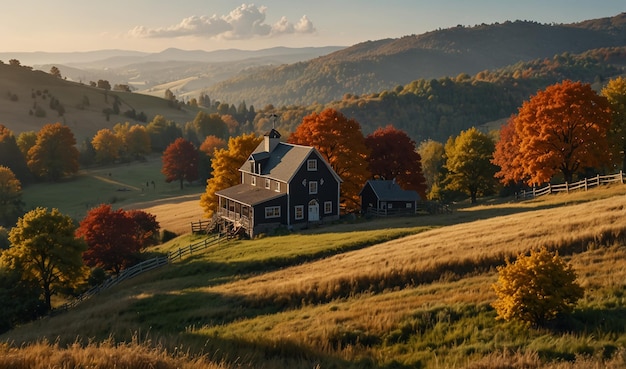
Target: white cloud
[244,22]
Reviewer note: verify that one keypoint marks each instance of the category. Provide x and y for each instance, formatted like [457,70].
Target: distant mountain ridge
[384,64]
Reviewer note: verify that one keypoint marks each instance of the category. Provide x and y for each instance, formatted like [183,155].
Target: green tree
[162,132]
[433,160]
[43,248]
[225,164]
[55,154]
[468,162]
[11,156]
[536,288]
[209,125]
[10,197]
[20,299]
[615,92]
[25,141]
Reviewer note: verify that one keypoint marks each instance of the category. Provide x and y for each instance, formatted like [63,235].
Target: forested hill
[384,64]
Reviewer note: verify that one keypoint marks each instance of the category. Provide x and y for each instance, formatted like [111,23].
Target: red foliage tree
[180,162]
[507,154]
[393,155]
[113,238]
[147,227]
[341,143]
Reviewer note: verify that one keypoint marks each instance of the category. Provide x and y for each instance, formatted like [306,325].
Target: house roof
[248,194]
[390,191]
[284,161]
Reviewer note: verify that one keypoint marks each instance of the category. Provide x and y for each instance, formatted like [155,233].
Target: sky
[155,25]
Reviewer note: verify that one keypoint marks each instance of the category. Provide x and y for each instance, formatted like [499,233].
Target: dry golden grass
[457,249]
[108,354]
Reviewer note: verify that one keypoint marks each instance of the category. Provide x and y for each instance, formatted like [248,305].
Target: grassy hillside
[127,186]
[396,293]
[23,90]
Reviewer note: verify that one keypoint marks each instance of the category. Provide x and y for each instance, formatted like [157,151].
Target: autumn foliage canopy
[180,162]
[393,155]
[114,237]
[225,163]
[561,129]
[341,143]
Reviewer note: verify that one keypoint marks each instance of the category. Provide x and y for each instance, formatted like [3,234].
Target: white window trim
[328,207]
[268,183]
[301,208]
[277,186]
[313,187]
[272,212]
[311,165]
[253,180]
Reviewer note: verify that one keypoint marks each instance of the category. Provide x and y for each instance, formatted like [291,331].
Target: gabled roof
[284,161]
[248,194]
[390,191]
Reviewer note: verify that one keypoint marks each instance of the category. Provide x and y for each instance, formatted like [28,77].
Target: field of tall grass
[397,293]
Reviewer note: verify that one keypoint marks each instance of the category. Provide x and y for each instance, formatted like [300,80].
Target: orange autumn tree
[180,162]
[225,165]
[341,143]
[507,155]
[561,129]
[55,154]
[393,155]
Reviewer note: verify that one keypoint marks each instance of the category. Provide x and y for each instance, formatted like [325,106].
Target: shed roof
[390,191]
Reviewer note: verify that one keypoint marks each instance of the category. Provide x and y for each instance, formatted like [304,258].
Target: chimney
[272,139]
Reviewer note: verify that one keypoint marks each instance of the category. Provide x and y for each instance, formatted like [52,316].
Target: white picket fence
[143,267]
[585,184]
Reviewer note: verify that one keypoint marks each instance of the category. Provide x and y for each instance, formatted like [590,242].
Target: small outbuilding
[387,198]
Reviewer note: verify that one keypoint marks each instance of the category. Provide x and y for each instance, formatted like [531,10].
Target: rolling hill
[396,293]
[25,97]
[384,64]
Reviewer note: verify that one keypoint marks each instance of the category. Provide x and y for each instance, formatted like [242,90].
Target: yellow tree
[43,246]
[562,129]
[468,161]
[137,141]
[536,288]
[225,164]
[342,144]
[107,145]
[615,92]
[55,154]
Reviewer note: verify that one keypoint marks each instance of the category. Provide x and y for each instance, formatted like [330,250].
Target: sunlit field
[393,293]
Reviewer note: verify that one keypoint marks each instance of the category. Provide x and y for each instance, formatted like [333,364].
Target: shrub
[536,288]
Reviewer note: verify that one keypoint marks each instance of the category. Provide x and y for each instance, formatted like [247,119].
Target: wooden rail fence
[143,267]
[585,184]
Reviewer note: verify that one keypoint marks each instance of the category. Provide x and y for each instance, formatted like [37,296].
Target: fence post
[621,177]
[585,184]
[566,187]
[598,180]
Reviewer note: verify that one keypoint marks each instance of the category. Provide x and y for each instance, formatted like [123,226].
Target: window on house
[253,180]
[409,205]
[389,205]
[277,186]
[328,207]
[267,183]
[312,187]
[272,212]
[311,165]
[299,212]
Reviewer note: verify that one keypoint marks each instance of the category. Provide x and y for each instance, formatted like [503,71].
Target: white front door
[314,211]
